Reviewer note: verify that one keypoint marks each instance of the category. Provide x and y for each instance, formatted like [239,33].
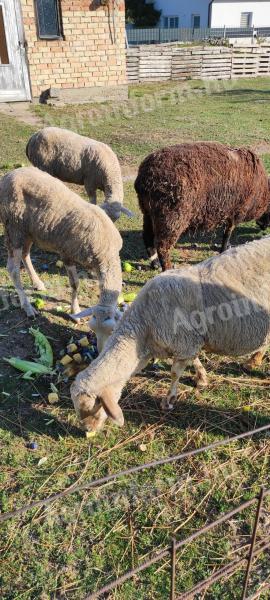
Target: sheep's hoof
[254,361]
[201,383]
[30,311]
[250,366]
[75,310]
[39,286]
[168,403]
[155,265]
[74,318]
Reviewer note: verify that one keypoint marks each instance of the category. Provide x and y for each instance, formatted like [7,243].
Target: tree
[141,14]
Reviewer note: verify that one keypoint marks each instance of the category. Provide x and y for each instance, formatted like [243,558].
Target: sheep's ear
[127,212]
[93,323]
[84,313]
[111,407]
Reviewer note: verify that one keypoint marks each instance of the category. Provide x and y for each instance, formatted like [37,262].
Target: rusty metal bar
[97,482]
[225,572]
[173,569]
[253,542]
[219,521]
[167,551]
[257,594]
[114,584]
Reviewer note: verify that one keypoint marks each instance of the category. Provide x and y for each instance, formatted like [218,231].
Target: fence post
[253,542]
[224,32]
[173,569]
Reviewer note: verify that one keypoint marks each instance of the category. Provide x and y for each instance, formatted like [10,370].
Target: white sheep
[37,208]
[77,159]
[221,305]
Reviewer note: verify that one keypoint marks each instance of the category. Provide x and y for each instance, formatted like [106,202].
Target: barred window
[171,22]
[246,19]
[196,21]
[48,19]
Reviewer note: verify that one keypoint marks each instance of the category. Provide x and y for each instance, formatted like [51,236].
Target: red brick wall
[87,56]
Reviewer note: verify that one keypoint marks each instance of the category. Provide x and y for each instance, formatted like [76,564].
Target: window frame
[168,18]
[5,46]
[47,36]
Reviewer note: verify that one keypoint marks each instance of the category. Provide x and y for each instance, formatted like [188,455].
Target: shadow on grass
[189,414]
[26,417]
[245,92]
[139,410]
[133,246]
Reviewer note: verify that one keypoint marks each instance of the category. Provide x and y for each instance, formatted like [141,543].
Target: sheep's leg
[74,284]
[164,257]
[256,359]
[91,193]
[13,267]
[142,364]
[165,240]
[227,236]
[177,370]
[37,283]
[93,197]
[201,375]
[148,238]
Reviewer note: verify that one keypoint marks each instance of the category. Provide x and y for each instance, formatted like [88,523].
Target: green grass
[85,540]
[234,112]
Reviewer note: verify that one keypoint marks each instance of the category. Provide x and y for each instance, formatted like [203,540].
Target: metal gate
[14,78]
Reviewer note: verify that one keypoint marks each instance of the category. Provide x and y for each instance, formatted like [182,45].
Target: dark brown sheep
[199,186]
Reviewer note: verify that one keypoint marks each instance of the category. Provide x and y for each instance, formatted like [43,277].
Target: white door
[14,80]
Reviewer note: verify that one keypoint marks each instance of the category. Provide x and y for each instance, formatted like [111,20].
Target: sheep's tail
[1,199]
[27,149]
[140,190]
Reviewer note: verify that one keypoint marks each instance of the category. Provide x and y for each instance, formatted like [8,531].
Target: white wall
[184,10]
[229,13]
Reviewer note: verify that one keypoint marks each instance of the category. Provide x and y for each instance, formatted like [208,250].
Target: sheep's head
[114,210]
[103,321]
[264,221]
[93,410]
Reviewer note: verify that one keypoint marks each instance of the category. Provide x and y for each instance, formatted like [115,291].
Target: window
[246,19]
[48,19]
[171,22]
[4,60]
[196,21]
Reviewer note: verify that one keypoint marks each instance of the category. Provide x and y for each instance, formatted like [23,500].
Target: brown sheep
[199,186]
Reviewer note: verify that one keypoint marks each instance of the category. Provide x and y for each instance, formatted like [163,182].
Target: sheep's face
[103,322]
[103,328]
[115,209]
[90,412]
[93,411]
[112,209]
[264,221]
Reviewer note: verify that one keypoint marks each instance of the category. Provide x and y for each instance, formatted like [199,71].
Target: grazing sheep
[221,305]
[199,186]
[77,159]
[37,208]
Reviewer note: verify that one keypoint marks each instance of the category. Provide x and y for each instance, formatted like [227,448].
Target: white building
[215,13]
